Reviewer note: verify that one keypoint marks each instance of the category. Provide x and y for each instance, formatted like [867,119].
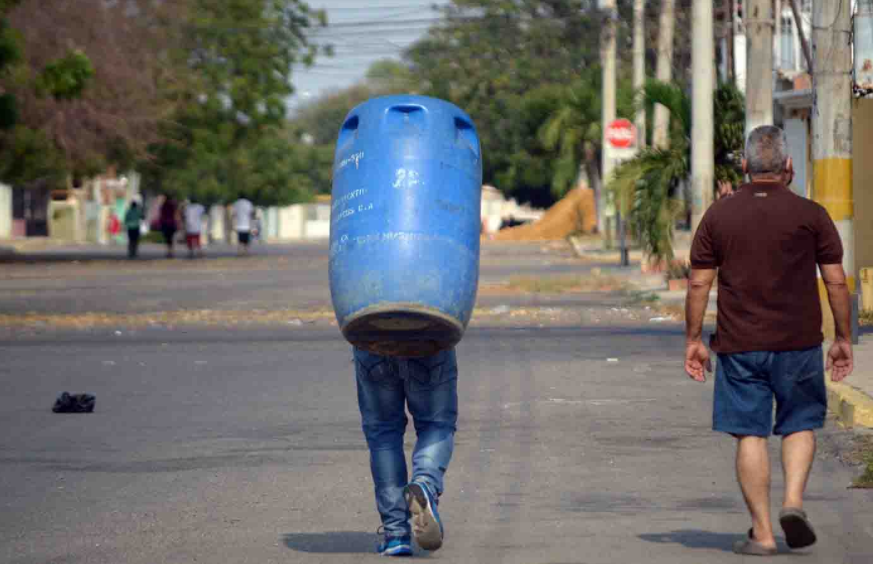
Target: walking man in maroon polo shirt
[764,244]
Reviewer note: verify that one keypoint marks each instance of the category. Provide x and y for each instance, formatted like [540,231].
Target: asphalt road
[578,444]
[75,280]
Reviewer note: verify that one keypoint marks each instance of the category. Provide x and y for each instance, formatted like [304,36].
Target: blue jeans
[429,388]
[747,383]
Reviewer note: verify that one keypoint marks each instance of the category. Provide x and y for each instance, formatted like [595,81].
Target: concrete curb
[853,407]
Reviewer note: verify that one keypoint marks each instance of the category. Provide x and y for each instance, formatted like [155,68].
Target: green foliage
[10,46]
[575,129]
[647,186]
[67,77]
[320,121]
[678,270]
[27,155]
[501,61]
[227,139]
[729,141]
[391,77]
[10,55]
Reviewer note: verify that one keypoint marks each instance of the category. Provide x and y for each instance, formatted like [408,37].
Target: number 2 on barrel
[405,178]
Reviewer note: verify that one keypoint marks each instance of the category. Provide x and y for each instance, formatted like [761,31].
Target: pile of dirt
[574,213]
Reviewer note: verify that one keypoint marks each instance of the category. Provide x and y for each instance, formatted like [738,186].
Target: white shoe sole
[424,527]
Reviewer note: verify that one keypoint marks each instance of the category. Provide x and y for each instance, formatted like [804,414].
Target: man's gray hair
[766,150]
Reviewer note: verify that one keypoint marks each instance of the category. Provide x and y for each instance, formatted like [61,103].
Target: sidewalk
[852,399]
[25,244]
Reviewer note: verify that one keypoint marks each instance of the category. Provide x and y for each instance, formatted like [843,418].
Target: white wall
[291,222]
[5,211]
[795,131]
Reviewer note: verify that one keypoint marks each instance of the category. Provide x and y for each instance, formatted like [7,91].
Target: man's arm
[696,300]
[840,354]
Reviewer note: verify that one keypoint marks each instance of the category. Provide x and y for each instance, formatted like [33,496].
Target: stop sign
[621,133]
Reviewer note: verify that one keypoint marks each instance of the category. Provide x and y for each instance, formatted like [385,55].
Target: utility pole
[664,70]
[639,53]
[832,121]
[607,56]
[803,43]
[777,36]
[640,69]
[759,22]
[702,145]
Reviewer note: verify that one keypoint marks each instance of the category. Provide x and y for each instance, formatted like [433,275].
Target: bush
[678,270]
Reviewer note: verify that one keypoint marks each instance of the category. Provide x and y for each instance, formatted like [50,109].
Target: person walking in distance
[193,215]
[427,386]
[768,331]
[168,217]
[132,222]
[242,221]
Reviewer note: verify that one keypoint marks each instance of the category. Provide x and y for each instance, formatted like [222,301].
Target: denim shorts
[747,383]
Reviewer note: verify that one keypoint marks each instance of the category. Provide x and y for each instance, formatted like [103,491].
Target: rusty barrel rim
[404,330]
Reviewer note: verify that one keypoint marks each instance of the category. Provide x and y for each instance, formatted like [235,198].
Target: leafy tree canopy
[227,137]
[496,59]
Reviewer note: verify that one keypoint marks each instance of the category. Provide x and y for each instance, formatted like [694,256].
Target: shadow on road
[334,542]
[695,538]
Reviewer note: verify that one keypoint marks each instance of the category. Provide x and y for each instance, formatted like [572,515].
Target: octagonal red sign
[621,133]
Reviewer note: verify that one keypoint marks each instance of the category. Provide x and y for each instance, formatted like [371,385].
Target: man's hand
[696,360]
[840,361]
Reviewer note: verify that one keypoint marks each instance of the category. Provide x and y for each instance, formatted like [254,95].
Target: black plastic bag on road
[74,403]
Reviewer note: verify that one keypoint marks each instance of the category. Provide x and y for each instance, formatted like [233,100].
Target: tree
[319,121]
[230,115]
[391,77]
[649,184]
[89,85]
[498,59]
[575,129]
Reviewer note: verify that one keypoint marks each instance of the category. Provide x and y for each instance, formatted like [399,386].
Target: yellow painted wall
[862,182]
[862,192]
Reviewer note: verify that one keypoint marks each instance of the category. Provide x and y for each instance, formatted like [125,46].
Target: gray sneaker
[427,528]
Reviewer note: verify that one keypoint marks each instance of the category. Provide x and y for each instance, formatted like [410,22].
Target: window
[786,46]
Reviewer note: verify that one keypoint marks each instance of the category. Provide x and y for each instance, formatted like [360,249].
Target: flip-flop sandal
[798,529]
[751,547]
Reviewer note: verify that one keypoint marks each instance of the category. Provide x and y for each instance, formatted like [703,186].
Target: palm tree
[647,187]
[574,130]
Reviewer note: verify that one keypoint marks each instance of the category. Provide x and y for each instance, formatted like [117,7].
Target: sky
[361,31]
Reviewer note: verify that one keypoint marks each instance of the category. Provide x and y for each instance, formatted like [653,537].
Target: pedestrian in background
[428,387]
[764,244]
[193,214]
[133,223]
[114,228]
[242,221]
[169,222]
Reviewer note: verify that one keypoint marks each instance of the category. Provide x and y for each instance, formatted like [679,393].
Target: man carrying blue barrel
[428,387]
[404,268]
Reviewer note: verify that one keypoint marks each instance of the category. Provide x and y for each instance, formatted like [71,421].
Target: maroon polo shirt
[765,242]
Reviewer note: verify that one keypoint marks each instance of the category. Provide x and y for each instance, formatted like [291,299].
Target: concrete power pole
[639,53]
[640,68]
[703,77]
[832,120]
[664,70]
[607,56]
[759,21]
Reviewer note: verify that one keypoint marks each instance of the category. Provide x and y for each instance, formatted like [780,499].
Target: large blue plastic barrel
[404,225]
